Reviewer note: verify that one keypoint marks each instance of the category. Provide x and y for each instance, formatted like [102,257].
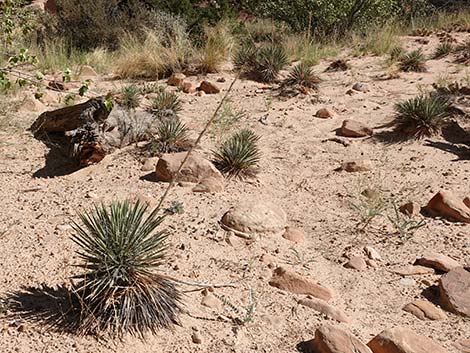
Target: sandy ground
[297,172]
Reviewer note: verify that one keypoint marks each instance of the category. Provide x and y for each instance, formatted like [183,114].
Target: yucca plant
[245,57]
[414,61]
[303,75]
[130,96]
[171,136]
[119,291]
[269,61]
[239,155]
[422,116]
[463,52]
[443,49]
[166,104]
[396,54]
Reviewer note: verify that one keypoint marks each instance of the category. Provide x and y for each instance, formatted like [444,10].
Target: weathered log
[87,132]
[71,118]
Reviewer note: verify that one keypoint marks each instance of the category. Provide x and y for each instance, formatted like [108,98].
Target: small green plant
[368,207]
[226,118]
[443,49]
[404,225]
[171,136]
[119,291]
[239,155]
[244,57]
[130,96]
[422,116]
[295,258]
[245,315]
[414,61]
[147,88]
[166,104]
[177,207]
[303,75]
[69,99]
[269,61]
[396,54]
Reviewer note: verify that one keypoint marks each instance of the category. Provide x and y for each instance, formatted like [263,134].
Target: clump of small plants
[170,135]
[119,290]
[422,116]
[239,155]
[443,49]
[263,63]
[165,105]
[130,97]
[302,75]
[414,61]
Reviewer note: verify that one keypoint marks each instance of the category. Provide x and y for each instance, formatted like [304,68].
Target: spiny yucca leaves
[414,61]
[245,57]
[303,75]
[166,103]
[443,49]
[172,136]
[119,292]
[130,96]
[269,61]
[396,54]
[422,116]
[239,155]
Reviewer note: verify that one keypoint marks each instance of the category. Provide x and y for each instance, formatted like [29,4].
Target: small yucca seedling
[239,155]
[166,103]
[303,75]
[245,57]
[396,54]
[443,49]
[130,96]
[269,61]
[414,61]
[119,291]
[171,136]
[422,116]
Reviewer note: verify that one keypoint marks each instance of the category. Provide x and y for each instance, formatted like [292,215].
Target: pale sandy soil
[296,171]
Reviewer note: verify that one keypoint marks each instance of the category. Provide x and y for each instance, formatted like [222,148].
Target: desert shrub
[422,116]
[396,53]
[119,291]
[166,105]
[378,39]
[414,61]
[163,50]
[303,75]
[217,47]
[269,61]
[171,135]
[244,57]
[239,155]
[261,30]
[130,96]
[443,49]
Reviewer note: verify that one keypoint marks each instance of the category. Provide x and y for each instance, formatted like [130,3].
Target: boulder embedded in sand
[448,205]
[330,339]
[290,281]
[295,235]
[454,290]
[438,261]
[253,217]
[326,309]
[352,128]
[195,170]
[176,79]
[403,340]
[208,87]
[425,310]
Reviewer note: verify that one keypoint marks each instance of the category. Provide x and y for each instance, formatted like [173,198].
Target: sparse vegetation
[303,75]
[226,118]
[171,135]
[443,49]
[422,116]
[166,105]
[404,225]
[414,61]
[130,96]
[239,155]
[269,61]
[217,47]
[245,315]
[119,291]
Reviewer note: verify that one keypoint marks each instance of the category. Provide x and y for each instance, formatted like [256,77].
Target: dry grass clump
[303,75]
[443,49]
[217,48]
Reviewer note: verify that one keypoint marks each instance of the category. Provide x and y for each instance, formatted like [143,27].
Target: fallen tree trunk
[87,132]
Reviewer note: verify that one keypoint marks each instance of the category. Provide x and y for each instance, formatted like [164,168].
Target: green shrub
[269,61]
[171,136]
[303,75]
[414,61]
[422,116]
[130,96]
[239,155]
[443,49]
[166,104]
[118,291]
